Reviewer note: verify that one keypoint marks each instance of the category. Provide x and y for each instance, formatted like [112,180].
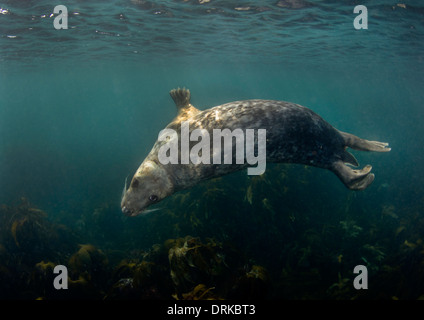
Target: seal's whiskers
[144,212]
[125,189]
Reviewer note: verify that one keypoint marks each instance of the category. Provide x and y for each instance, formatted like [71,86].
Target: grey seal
[294,134]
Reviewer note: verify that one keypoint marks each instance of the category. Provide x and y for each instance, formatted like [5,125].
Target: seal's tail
[357,143]
[356,179]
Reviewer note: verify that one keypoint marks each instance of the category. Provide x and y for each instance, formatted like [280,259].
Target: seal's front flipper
[181,98]
[353,179]
[357,143]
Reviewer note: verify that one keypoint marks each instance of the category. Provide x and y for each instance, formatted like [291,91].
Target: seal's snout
[126,211]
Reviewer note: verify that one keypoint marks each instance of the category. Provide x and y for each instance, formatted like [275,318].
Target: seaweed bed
[261,240]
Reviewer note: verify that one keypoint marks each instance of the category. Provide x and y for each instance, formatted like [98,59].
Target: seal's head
[149,185]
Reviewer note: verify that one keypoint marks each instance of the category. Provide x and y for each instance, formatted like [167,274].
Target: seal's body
[294,134]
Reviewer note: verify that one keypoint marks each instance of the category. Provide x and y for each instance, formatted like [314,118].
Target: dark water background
[81,108]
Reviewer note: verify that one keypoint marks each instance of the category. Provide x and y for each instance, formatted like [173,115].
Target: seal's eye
[153,198]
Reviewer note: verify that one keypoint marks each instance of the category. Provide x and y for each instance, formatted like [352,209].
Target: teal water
[81,108]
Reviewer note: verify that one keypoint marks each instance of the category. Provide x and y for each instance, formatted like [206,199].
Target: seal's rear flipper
[353,179]
[357,143]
